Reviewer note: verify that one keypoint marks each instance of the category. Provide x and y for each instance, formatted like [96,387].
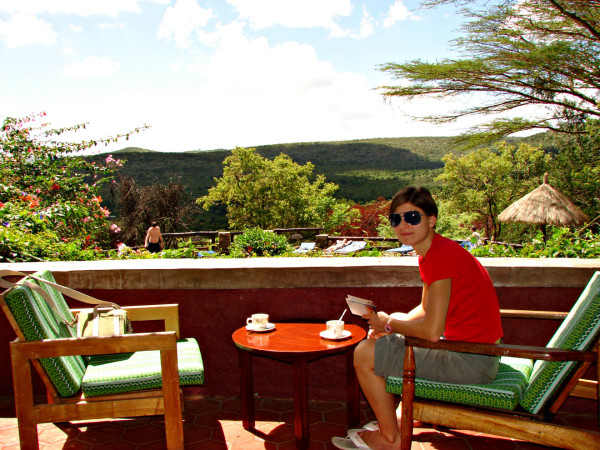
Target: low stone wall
[215,297]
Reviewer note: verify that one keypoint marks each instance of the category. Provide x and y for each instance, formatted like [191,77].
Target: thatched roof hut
[544,206]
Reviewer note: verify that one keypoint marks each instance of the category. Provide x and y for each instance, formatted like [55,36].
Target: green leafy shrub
[257,242]
[50,207]
[562,243]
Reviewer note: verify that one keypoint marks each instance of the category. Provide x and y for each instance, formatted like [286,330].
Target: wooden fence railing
[223,239]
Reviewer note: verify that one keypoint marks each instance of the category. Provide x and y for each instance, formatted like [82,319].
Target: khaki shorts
[434,365]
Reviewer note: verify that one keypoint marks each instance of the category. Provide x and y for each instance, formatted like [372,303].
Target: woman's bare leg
[382,402]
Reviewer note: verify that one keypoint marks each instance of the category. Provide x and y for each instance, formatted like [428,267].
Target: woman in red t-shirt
[459,302]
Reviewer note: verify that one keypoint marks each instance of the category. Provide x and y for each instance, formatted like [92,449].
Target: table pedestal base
[300,378]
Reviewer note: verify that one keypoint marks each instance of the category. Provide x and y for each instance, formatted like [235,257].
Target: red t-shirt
[474,312]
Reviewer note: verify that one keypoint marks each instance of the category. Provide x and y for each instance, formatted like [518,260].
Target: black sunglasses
[410,217]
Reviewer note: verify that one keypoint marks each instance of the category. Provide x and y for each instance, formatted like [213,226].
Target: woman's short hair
[418,196]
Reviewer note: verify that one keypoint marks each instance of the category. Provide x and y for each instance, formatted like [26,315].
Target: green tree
[267,193]
[516,53]
[576,168]
[50,206]
[478,185]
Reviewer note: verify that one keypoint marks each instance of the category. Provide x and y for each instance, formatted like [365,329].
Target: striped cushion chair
[504,392]
[532,383]
[135,374]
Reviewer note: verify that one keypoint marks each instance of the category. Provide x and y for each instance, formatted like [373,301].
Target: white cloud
[292,13]
[108,26]
[76,28]
[367,28]
[398,12]
[92,66]
[367,25]
[77,7]
[181,20]
[25,29]
[254,93]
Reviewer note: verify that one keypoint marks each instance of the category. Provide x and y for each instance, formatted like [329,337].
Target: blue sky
[208,74]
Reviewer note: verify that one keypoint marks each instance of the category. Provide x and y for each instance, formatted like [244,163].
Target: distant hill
[364,169]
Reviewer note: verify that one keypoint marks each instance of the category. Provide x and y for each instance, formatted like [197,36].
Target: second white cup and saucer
[259,323]
[335,331]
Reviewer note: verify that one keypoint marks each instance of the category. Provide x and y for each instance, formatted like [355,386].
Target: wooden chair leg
[172,400]
[24,401]
[598,382]
[408,396]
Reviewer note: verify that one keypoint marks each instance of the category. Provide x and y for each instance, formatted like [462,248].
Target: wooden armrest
[152,312]
[168,313]
[127,343]
[517,351]
[528,314]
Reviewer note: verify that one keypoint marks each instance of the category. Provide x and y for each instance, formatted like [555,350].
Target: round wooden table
[298,344]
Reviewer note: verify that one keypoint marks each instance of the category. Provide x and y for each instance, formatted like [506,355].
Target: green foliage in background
[50,207]
[185,249]
[258,242]
[265,193]
[480,184]
[562,243]
[363,169]
[576,168]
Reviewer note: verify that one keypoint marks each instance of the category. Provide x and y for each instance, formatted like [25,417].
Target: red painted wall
[212,315]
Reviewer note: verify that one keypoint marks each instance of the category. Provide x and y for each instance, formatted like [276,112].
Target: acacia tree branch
[585,24]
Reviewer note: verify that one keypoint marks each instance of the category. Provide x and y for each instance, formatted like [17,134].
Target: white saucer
[270,326]
[326,335]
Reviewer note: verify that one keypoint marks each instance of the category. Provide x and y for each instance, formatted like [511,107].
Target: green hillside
[363,169]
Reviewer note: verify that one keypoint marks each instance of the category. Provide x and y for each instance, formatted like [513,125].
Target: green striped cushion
[112,374]
[37,321]
[579,331]
[504,392]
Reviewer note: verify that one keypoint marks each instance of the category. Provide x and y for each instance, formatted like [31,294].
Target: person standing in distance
[154,241]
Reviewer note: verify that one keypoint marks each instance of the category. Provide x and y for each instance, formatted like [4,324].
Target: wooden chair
[525,396]
[101,383]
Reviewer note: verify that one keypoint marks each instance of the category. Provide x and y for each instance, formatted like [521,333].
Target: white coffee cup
[335,328]
[258,321]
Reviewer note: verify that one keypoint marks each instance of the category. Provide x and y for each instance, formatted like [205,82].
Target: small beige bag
[107,319]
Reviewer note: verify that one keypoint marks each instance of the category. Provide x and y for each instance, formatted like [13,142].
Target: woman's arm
[426,321]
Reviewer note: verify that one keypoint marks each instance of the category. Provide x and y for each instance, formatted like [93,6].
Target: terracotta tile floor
[213,423]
